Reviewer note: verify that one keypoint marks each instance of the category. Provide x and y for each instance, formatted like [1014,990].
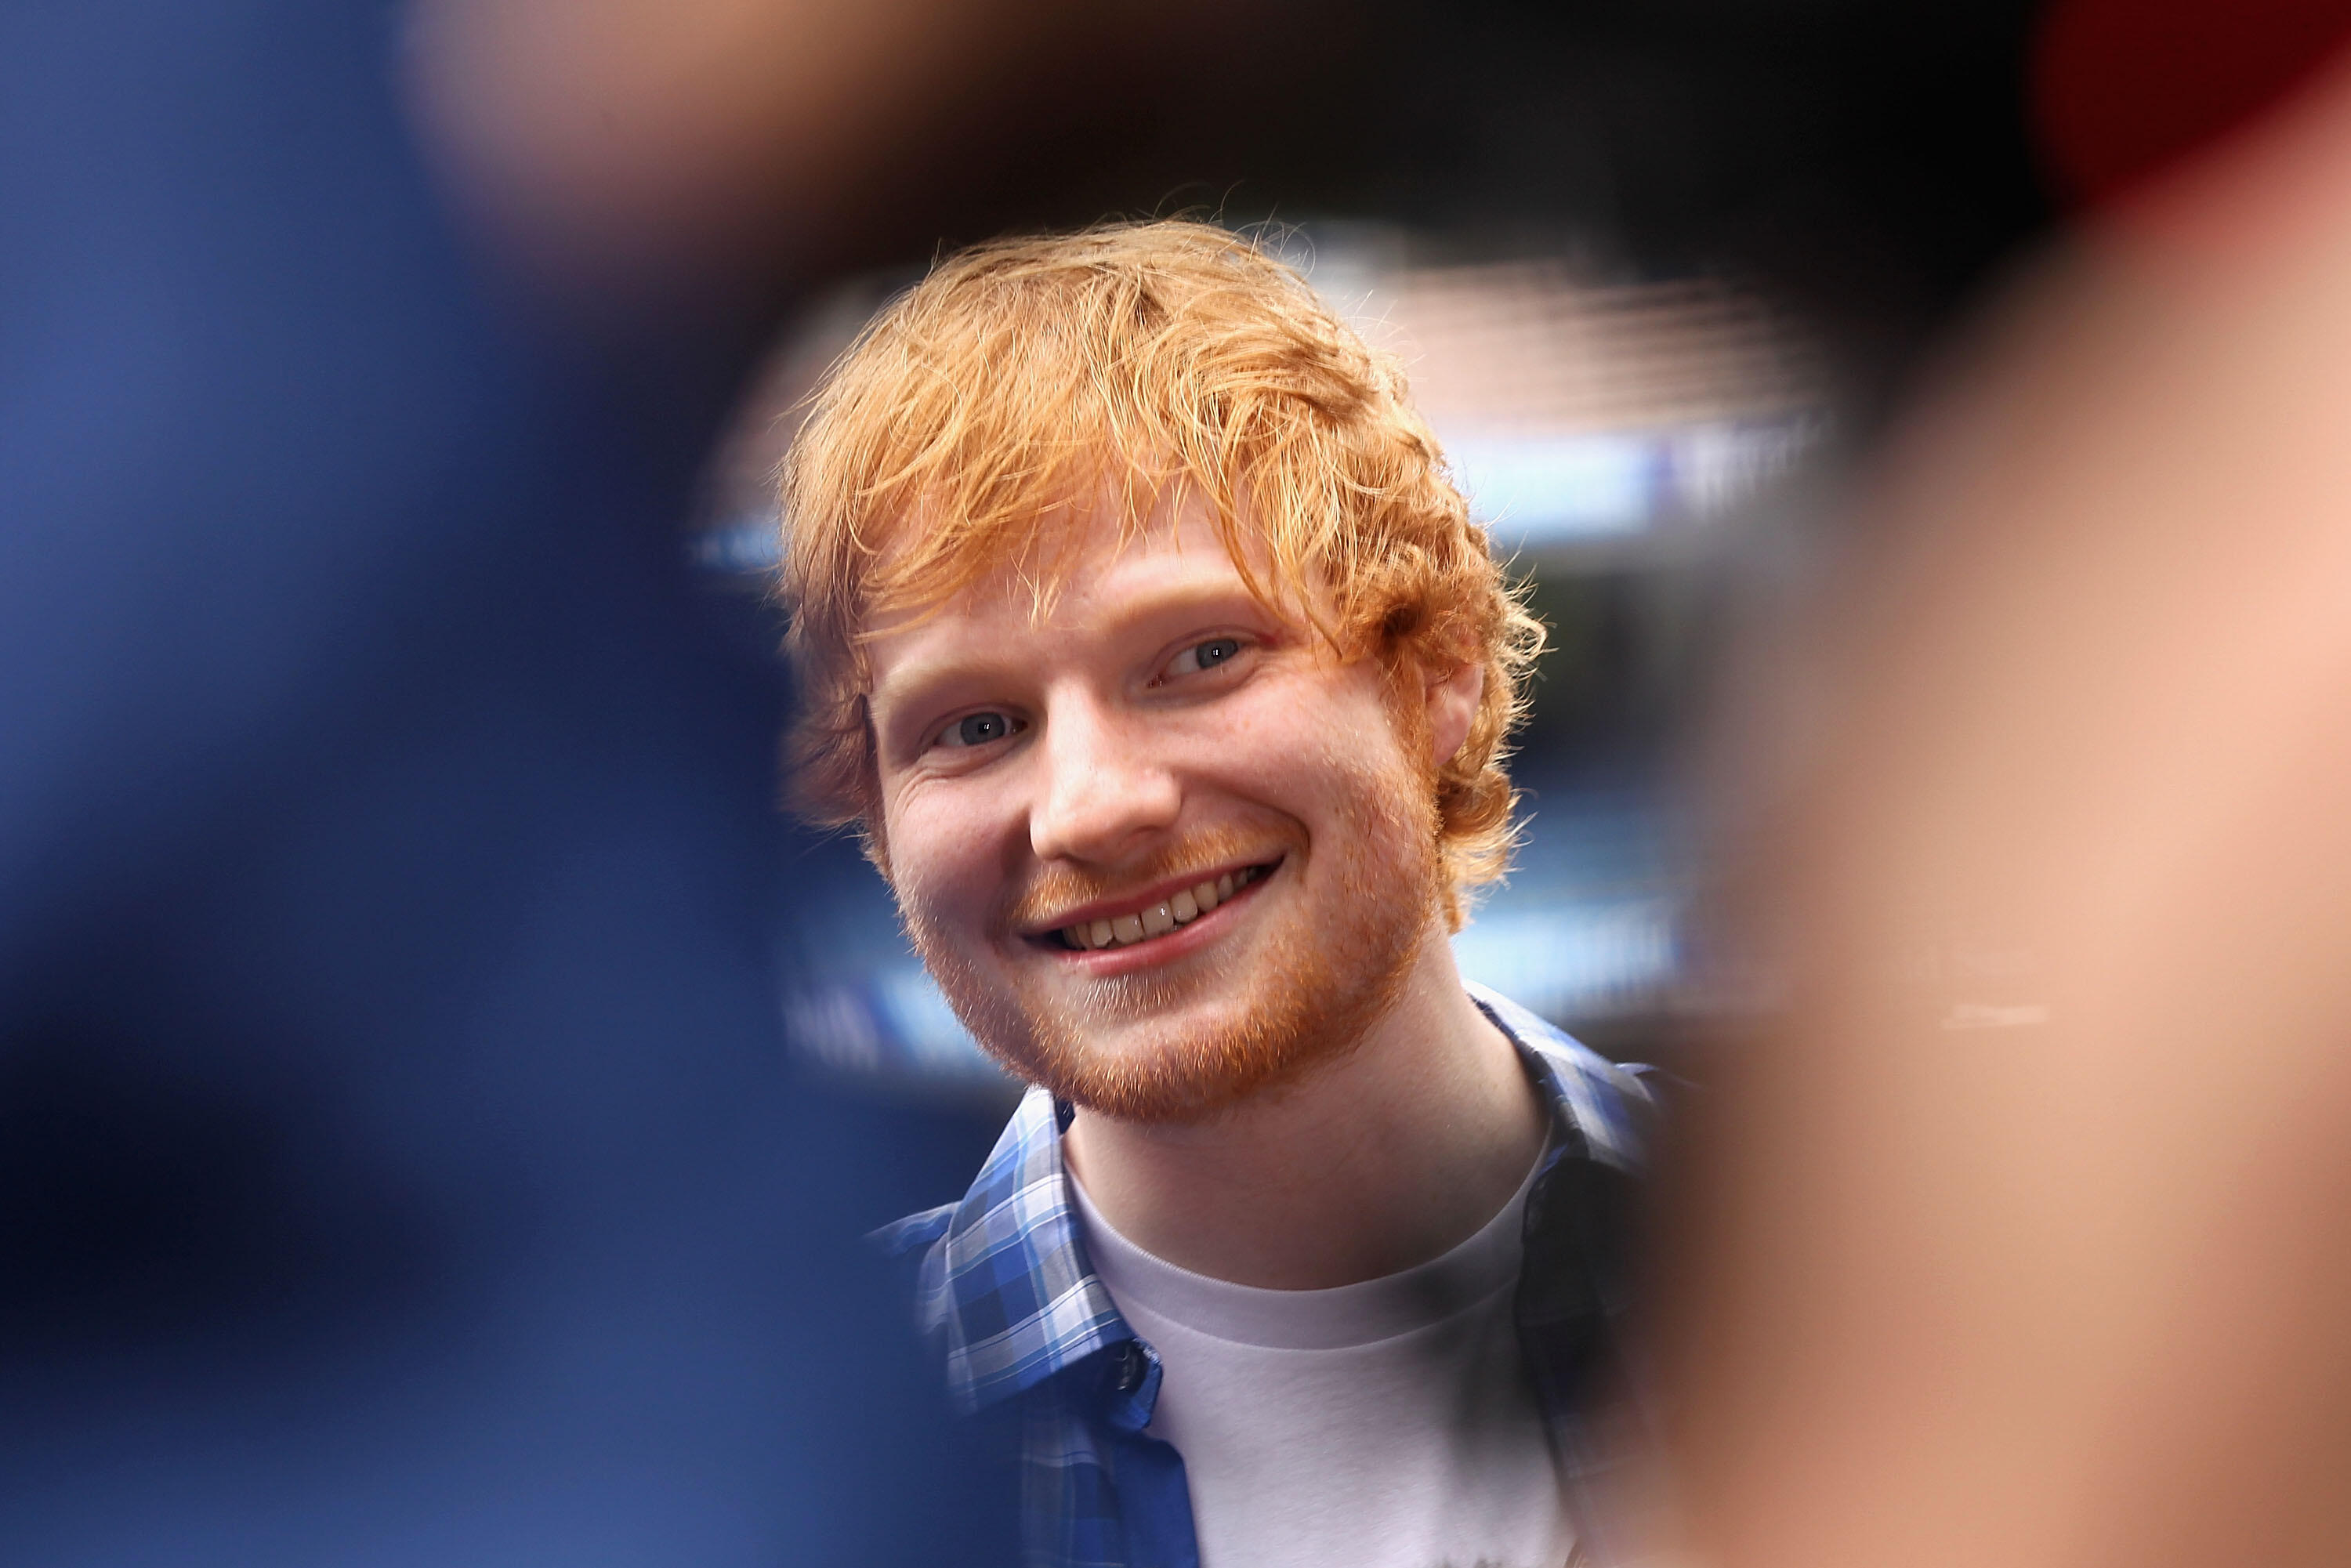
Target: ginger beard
[1294,992]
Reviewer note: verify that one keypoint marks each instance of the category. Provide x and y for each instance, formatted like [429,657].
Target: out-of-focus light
[1575,412]
[1535,489]
[1575,959]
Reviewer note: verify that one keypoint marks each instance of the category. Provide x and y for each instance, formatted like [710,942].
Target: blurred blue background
[440,1094]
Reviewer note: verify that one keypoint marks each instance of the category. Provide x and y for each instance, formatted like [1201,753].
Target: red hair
[1023,374]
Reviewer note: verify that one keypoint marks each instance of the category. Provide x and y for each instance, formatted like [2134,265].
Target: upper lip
[1136,903]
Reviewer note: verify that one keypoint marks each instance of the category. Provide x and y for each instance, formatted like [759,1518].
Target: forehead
[1097,569]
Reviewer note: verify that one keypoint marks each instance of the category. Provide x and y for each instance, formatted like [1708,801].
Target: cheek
[1298,736]
[943,859]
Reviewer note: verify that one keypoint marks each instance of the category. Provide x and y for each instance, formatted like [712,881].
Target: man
[1166,677]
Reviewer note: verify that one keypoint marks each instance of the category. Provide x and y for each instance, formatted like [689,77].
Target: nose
[1105,791]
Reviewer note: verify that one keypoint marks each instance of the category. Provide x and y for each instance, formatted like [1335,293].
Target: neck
[1385,1158]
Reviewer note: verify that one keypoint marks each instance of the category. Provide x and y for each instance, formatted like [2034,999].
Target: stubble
[1298,995]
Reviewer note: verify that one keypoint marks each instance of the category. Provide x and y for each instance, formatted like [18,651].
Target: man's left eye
[978,729]
[1206,655]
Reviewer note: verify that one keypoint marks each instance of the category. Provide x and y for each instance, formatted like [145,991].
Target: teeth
[1161,918]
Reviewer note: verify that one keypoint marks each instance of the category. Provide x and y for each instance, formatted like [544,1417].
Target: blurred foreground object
[2124,90]
[604,141]
[399,1162]
[2027,1239]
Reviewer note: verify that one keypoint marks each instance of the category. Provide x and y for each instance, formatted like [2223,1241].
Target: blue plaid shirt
[1030,1329]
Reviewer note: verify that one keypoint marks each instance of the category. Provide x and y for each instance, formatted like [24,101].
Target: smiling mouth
[1158,919]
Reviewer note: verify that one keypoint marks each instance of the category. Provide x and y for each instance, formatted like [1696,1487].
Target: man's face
[1160,848]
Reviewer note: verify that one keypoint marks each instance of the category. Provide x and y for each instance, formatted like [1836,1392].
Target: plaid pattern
[1005,1285]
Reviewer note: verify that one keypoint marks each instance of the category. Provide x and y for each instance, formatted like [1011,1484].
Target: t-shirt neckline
[1455,1281]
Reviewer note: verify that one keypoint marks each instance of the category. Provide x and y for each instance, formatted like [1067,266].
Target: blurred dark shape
[2022,1235]
[137,1203]
[2123,89]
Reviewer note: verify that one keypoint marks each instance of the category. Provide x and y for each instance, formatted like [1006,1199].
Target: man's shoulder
[1017,1188]
[1000,1275]
[1608,1102]
[915,1232]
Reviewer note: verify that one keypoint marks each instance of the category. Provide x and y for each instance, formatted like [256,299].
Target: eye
[979,729]
[1202,656]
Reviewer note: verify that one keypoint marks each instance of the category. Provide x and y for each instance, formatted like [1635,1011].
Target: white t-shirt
[1382,1425]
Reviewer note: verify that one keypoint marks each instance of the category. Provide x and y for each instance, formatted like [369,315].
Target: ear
[1450,704]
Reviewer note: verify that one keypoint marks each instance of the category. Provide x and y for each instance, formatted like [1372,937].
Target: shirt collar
[1009,1285]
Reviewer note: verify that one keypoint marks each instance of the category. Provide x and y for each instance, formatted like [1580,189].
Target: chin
[1149,1058]
[1193,1074]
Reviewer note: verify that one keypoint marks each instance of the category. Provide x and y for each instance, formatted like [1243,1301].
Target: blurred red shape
[2125,89]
